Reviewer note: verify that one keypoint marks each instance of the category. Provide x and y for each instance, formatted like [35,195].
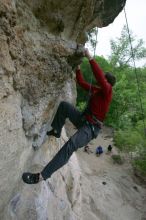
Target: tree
[92,39]
[125,108]
[121,54]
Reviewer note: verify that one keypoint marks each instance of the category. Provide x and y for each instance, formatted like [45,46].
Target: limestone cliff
[40,44]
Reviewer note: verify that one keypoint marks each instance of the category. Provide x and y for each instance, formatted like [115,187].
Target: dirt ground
[109,191]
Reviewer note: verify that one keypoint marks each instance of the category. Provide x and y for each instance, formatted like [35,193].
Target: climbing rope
[96,34]
[135,71]
[94,47]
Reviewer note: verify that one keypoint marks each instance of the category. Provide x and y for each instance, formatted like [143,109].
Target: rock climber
[88,123]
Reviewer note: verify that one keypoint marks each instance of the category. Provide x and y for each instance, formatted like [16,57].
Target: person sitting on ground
[99,151]
[88,123]
[86,149]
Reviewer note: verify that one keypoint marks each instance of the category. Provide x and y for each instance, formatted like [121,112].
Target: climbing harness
[135,71]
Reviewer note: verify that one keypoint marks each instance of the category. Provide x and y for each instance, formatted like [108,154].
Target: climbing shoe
[53,133]
[31,178]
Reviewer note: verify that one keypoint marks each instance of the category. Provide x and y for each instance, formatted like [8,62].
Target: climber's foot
[31,178]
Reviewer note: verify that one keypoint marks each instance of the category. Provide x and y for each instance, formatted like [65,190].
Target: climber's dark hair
[110,78]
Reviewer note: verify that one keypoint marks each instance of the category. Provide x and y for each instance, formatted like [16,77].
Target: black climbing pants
[81,138]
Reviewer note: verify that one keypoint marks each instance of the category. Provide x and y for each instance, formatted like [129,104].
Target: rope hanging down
[135,70]
[96,33]
[94,47]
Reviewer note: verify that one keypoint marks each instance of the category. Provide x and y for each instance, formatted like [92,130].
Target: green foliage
[92,38]
[139,164]
[122,54]
[133,140]
[81,106]
[130,139]
[119,102]
[117,159]
[126,109]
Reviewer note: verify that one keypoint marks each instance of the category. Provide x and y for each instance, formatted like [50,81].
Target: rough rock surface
[41,42]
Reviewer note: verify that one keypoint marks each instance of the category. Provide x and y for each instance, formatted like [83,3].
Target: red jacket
[100,97]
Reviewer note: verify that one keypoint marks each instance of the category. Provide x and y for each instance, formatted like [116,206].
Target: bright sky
[136,16]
